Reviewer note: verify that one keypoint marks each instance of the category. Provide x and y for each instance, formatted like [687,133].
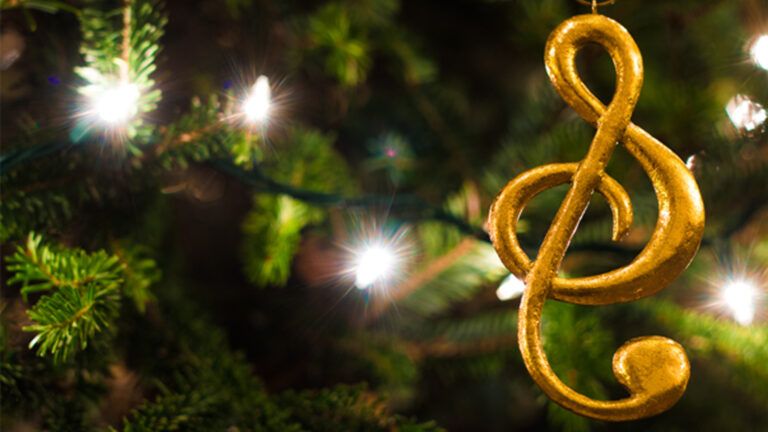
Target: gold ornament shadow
[654,369]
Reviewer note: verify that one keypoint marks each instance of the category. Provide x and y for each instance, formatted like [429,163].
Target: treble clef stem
[654,369]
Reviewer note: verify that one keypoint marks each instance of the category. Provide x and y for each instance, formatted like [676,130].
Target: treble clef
[654,369]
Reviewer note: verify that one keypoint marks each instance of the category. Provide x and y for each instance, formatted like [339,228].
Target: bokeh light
[739,296]
[511,287]
[257,104]
[116,104]
[746,114]
[759,51]
[374,263]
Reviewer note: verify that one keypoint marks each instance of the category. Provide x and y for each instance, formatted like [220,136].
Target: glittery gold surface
[655,370]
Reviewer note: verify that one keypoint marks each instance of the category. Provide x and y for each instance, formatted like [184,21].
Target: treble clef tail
[654,369]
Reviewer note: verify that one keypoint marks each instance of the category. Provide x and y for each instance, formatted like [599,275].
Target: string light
[690,163]
[376,259]
[759,51]
[257,104]
[740,296]
[374,264]
[113,104]
[746,114]
[511,287]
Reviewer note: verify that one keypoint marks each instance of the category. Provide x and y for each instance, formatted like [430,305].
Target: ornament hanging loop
[595,4]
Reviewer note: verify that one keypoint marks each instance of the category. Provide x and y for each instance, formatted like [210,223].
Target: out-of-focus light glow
[759,51]
[511,287]
[740,296]
[373,264]
[745,114]
[257,105]
[115,104]
[690,163]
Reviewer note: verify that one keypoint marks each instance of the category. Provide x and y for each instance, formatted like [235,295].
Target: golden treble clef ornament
[654,369]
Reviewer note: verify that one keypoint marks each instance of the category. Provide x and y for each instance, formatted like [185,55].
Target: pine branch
[174,412]
[39,267]
[68,319]
[203,384]
[346,408]
[140,272]
[48,6]
[120,47]
[430,271]
[84,299]
[458,283]
[448,348]
[272,233]
[408,207]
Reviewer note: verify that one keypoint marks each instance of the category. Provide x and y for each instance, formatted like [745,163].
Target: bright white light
[740,296]
[116,104]
[746,114]
[690,163]
[759,51]
[372,265]
[510,288]
[257,104]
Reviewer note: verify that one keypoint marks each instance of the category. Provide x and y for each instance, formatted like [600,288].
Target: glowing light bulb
[116,104]
[745,114]
[690,163]
[374,264]
[740,296]
[511,287]
[759,51]
[257,105]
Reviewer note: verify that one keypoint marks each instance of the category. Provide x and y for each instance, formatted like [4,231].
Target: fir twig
[417,280]
[84,300]
[39,267]
[68,319]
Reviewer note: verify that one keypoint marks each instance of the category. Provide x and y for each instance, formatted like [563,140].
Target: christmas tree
[261,215]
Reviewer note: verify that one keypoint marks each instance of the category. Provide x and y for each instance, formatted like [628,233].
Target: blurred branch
[429,272]
[125,53]
[447,348]
[19,156]
[437,124]
[408,206]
